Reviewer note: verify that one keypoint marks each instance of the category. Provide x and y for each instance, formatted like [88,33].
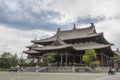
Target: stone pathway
[57,76]
[110,77]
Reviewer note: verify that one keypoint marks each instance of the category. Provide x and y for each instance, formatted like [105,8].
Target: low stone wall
[102,69]
[59,69]
[77,69]
[69,69]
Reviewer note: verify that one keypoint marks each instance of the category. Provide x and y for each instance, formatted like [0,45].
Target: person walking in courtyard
[110,71]
[113,71]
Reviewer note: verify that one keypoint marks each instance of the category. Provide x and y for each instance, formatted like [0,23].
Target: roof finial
[35,38]
[92,24]
[74,28]
[93,27]
[57,34]
[58,30]
[117,49]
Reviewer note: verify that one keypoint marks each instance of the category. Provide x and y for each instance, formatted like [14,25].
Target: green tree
[85,58]
[116,59]
[48,58]
[7,60]
[90,58]
[21,61]
[91,54]
[13,60]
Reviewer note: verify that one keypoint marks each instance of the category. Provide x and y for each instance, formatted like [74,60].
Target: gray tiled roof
[52,48]
[58,44]
[78,46]
[117,52]
[31,51]
[90,45]
[72,34]
[32,46]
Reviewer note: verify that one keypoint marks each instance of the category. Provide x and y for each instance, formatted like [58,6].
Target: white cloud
[15,40]
[80,8]
[111,29]
[42,13]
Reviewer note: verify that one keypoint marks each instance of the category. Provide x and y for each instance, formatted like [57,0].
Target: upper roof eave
[51,40]
[70,34]
[52,48]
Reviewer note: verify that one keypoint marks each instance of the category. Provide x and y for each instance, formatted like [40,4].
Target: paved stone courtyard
[57,76]
[113,77]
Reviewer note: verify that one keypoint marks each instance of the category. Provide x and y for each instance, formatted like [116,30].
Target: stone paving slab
[56,76]
[110,77]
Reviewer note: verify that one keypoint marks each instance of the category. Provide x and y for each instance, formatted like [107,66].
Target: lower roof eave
[43,41]
[54,49]
[29,52]
[79,49]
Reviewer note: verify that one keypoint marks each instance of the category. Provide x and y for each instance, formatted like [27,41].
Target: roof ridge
[79,29]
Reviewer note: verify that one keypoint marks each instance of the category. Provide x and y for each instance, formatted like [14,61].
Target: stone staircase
[33,69]
[42,69]
[30,69]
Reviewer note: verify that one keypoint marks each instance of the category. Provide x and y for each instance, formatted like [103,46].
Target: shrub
[94,64]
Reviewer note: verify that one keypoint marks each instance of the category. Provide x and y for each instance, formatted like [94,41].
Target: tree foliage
[8,60]
[49,57]
[90,58]
[90,55]
[116,59]
[85,59]
[94,64]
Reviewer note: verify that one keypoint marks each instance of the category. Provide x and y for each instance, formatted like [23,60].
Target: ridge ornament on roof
[74,27]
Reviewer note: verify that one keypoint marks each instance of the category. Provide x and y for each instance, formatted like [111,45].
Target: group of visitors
[111,71]
[16,69]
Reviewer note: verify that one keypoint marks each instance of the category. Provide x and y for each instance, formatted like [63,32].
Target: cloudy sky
[24,20]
